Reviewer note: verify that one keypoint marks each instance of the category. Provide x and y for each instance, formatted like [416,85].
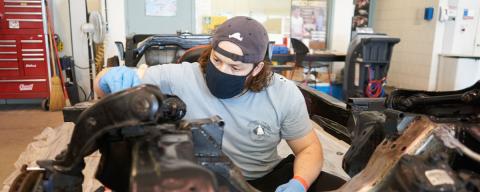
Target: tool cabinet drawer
[35,68]
[9,71]
[8,64]
[32,42]
[32,53]
[8,44]
[24,85]
[21,14]
[8,49]
[8,54]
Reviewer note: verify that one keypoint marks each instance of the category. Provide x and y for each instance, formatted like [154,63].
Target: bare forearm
[96,87]
[308,163]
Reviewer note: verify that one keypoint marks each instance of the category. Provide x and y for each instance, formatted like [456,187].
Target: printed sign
[160,7]
[25,87]
[439,177]
[13,24]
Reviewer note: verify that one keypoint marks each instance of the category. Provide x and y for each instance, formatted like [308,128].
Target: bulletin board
[152,17]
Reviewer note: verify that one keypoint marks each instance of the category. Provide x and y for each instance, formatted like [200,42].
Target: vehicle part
[388,134]
[138,45]
[413,173]
[144,147]
[330,113]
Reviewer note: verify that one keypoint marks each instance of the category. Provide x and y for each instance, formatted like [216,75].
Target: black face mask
[222,85]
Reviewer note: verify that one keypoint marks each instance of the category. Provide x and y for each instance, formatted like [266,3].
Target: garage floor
[18,125]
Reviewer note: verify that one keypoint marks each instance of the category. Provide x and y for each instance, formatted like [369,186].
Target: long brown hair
[254,83]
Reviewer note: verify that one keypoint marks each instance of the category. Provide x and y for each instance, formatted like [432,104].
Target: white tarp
[46,146]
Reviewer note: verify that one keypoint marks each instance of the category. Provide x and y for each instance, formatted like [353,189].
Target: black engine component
[328,112]
[144,147]
[368,133]
[413,173]
[461,105]
[137,45]
[137,106]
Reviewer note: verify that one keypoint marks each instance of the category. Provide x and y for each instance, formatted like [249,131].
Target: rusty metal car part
[388,153]
[440,164]
[446,118]
[438,106]
[380,130]
[368,131]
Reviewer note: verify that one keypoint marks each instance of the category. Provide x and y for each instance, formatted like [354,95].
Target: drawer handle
[8,53]
[23,13]
[22,1]
[8,45]
[31,41]
[22,80]
[8,68]
[33,59]
[23,6]
[1,59]
[32,54]
[26,20]
[32,50]
[7,41]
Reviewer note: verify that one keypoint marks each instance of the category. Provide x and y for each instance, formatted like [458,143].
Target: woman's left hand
[292,186]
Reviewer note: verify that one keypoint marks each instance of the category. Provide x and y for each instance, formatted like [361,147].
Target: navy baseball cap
[247,33]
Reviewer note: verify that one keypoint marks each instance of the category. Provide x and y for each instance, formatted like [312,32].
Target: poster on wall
[360,15]
[160,7]
[308,22]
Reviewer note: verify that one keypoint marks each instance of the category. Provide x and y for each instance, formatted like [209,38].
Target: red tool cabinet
[24,66]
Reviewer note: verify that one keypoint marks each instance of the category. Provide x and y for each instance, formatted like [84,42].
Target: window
[276,15]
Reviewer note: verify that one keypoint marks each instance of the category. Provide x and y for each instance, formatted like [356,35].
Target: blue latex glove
[117,79]
[292,186]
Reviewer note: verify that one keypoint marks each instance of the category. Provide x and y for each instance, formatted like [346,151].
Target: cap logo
[236,36]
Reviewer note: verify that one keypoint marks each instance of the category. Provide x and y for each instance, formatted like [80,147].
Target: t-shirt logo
[259,130]
[236,35]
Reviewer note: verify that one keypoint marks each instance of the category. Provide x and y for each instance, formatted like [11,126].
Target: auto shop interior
[228,95]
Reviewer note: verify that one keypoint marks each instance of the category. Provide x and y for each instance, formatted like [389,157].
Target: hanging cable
[374,88]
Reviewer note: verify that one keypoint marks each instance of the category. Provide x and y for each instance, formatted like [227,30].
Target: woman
[259,108]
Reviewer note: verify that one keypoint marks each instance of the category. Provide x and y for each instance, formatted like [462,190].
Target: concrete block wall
[411,64]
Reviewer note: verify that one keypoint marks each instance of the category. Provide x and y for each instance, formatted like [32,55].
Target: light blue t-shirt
[254,122]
